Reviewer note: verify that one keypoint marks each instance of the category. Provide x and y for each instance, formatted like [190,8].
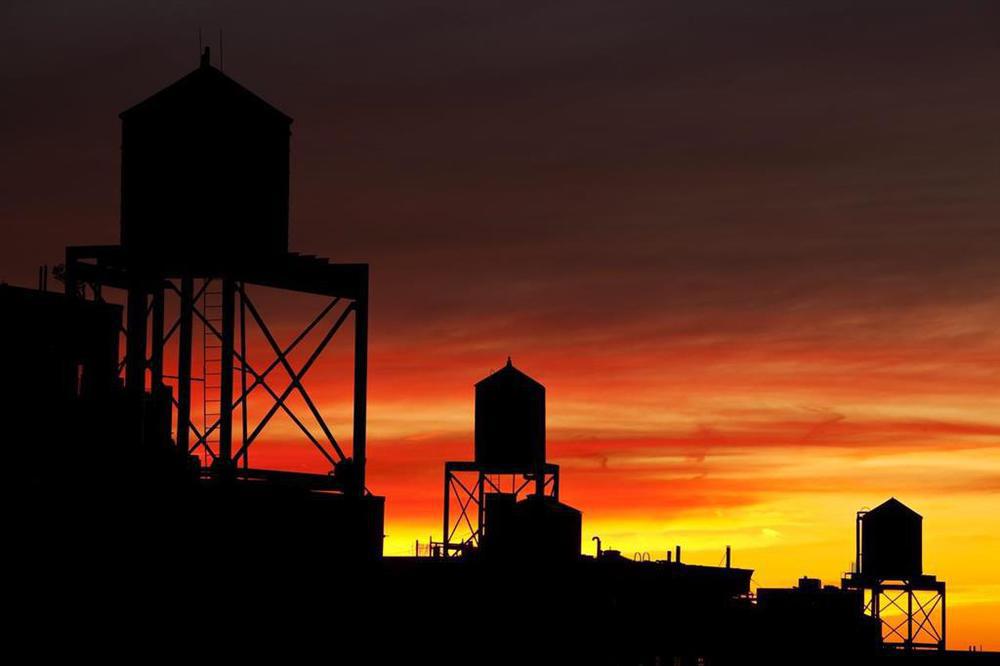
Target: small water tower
[506,500]
[204,174]
[889,572]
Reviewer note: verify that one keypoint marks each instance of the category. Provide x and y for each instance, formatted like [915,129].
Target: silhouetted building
[76,442]
[579,610]
[60,390]
[56,348]
[813,623]
[537,527]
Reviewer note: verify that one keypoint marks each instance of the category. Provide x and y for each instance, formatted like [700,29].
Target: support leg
[480,508]
[360,385]
[156,352]
[184,364]
[944,618]
[135,344]
[447,505]
[226,379]
[909,618]
[243,373]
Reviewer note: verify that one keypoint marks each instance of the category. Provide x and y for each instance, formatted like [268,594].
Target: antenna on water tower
[222,61]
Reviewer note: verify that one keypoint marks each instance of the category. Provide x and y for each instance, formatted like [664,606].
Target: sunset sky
[751,248]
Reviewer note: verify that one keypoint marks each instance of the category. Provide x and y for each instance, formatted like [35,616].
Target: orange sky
[707,442]
[751,249]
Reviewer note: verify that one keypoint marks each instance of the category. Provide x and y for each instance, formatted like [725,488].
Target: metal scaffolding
[466,485]
[222,304]
[912,613]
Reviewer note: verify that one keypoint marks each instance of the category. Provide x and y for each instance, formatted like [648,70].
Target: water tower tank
[204,173]
[891,542]
[510,419]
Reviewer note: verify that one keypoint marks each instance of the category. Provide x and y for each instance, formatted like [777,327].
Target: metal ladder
[211,358]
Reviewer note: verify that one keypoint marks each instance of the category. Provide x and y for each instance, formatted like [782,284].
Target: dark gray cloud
[537,158]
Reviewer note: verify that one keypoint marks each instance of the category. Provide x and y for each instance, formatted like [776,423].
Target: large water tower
[204,224]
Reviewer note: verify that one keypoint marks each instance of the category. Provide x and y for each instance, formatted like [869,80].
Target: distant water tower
[507,499]
[889,570]
[204,173]
[510,419]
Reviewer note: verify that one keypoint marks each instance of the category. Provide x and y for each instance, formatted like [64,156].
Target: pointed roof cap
[205,87]
[893,506]
[508,373]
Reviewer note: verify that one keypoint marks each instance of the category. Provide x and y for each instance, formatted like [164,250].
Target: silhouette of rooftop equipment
[72,429]
[59,348]
[539,526]
[205,199]
[889,572]
[797,620]
[507,499]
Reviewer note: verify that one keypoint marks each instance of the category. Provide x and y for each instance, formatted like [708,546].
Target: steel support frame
[145,311]
[466,485]
[919,622]
[251,379]
[915,620]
